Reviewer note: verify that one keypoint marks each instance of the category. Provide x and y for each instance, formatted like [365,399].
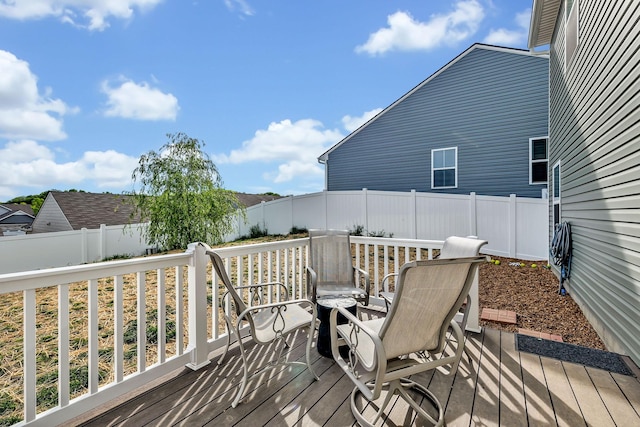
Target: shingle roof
[90,210]
[254,199]
[15,207]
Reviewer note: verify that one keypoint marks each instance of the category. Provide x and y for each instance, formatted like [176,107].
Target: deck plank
[502,382]
[564,402]
[513,411]
[536,392]
[293,401]
[591,406]
[337,389]
[460,404]
[487,393]
[613,398]
[629,386]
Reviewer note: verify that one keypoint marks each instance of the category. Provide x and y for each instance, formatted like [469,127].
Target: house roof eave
[544,15]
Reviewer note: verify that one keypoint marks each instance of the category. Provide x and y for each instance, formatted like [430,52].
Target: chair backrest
[428,295]
[218,266]
[330,256]
[458,247]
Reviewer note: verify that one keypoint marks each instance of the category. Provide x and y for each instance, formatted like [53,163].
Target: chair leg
[245,374]
[308,355]
[400,387]
[230,330]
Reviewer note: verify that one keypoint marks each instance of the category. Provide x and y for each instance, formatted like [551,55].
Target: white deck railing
[118,325]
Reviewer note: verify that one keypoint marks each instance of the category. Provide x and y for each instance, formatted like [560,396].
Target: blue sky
[87,86]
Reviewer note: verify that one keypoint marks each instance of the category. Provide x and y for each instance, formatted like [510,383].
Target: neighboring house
[479,124]
[254,199]
[15,218]
[64,211]
[594,146]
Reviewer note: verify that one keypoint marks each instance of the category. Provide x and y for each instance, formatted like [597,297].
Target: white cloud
[139,101]
[404,33]
[95,12]
[27,164]
[109,168]
[244,7]
[514,37]
[295,145]
[24,113]
[353,123]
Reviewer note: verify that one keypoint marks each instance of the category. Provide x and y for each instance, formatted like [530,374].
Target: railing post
[84,246]
[365,206]
[473,214]
[473,313]
[103,242]
[513,226]
[197,276]
[413,216]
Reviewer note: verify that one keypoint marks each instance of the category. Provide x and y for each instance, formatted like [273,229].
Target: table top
[334,302]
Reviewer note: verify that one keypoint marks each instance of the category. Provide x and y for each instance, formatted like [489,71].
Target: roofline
[324,156]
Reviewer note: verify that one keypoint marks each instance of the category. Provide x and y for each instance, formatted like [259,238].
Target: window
[444,168]
[556,194]
[538,160]
[572,31]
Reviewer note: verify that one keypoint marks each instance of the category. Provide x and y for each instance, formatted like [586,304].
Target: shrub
[257,231]
[298,230]
[358,230]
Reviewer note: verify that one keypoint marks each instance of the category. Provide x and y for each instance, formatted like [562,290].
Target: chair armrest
[386,279]
[367,281]
[277,305]
[312,281]
[349,367]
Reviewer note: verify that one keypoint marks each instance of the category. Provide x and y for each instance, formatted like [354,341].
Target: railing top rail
[398,242]
[255,248]
[20,281]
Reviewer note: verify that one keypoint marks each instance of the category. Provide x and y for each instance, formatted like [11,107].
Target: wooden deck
[504,387]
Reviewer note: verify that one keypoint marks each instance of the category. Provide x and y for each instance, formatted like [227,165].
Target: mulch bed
[533,294]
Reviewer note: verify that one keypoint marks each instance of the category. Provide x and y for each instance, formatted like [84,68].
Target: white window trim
[531,161]
[455,168]
[573,14]
[557,200]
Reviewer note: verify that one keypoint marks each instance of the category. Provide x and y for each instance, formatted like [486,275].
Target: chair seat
[365,348]
[265,321]
[333,289]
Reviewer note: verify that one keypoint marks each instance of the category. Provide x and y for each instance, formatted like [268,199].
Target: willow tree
[178,190]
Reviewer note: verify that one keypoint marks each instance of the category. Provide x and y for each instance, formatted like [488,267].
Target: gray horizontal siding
[488,104]
[594,133]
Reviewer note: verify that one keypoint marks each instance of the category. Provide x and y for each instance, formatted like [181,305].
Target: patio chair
[383,351]
[269,324]
[453,247]
[331,271]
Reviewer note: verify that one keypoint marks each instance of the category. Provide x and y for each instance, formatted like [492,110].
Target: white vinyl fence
[64,248]
[514,226]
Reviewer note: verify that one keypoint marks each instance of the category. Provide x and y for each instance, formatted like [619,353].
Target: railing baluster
[300,272]
[162,316]
[278,272]
[180,311]
[142,320]
[118,325]
[29,346]
[93,336]
[63,345]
